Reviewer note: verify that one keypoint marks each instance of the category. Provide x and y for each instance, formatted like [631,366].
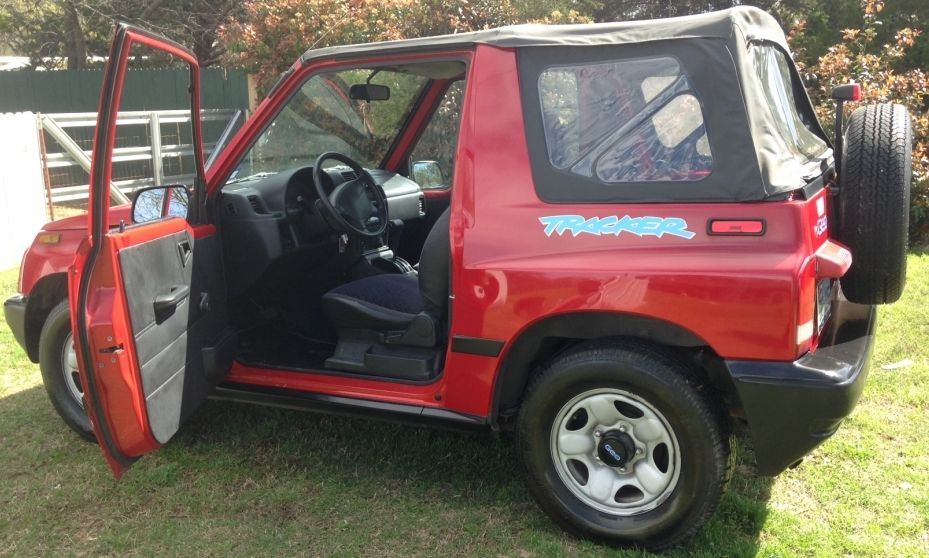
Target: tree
[55,33]
[882,70]
[194,23]
[34,28]
[824,22]
[271,34]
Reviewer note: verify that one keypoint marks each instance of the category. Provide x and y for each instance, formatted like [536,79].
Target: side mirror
[156,202]
[428,174]
[369,92]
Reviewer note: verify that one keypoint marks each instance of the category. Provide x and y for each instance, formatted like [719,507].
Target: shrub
[861,59]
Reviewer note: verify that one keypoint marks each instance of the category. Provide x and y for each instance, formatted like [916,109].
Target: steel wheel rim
[644,481]
[70,372]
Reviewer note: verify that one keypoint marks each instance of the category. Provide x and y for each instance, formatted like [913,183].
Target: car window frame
[802,104]
[646,121]
[715,76]
[448,179]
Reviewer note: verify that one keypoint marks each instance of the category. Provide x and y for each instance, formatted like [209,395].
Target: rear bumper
[792,407]
[14,310]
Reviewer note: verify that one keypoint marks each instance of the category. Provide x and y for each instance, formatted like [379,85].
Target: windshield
[322,117]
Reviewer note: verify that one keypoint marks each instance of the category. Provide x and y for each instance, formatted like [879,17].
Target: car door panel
[181,355]
[148,300]
[149,270]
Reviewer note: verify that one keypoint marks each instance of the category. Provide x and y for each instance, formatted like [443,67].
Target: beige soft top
[740,24]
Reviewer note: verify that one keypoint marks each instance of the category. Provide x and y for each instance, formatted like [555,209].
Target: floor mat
[277,349]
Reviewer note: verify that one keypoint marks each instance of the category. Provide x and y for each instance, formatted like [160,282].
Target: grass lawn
[246,480]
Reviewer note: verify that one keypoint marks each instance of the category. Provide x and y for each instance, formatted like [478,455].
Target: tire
[696,456]
[56,332]
[874,202]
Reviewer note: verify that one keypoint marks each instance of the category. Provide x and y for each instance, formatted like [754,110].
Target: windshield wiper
[255,176]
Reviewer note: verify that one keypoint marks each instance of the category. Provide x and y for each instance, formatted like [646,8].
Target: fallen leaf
[905,363]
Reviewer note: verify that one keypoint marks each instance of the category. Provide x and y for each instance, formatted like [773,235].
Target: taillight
[818,280]
[806,311]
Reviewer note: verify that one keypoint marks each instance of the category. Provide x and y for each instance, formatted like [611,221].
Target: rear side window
[629,121]
[773,71]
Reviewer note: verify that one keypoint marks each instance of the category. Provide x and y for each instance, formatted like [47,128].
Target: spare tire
[874,202]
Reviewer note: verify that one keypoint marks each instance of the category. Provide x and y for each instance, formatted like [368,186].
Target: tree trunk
[205,47]
[75,43]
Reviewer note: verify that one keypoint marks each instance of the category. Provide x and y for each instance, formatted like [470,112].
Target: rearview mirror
[369,92]
[428,174]
[156,202]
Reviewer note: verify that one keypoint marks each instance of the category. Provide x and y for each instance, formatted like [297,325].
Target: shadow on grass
[478,469]
[314,471]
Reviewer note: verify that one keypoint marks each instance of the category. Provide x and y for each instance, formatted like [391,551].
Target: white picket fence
[22,187]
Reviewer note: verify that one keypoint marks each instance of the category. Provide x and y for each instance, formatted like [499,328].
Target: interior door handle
[166,303]
[183,250]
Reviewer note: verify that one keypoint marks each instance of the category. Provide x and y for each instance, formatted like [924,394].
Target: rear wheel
[620,444]
[874,202]
[58,363]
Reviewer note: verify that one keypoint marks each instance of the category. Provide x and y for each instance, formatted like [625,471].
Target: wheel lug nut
[638,451]
[622,428]
[597,434]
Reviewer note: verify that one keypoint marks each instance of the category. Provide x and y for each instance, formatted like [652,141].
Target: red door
[147,297]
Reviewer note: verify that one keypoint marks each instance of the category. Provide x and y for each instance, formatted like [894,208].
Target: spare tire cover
[874,202]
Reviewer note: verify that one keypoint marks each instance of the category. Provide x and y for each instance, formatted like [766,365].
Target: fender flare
[520,357]
[45,295]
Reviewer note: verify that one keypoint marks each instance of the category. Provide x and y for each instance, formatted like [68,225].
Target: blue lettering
[677,227]
[613,225]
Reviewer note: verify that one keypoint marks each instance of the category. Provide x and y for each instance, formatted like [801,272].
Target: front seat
[396,309]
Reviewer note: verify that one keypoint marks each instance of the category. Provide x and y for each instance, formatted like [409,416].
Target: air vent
[349,175]
[422,205]
[256,204]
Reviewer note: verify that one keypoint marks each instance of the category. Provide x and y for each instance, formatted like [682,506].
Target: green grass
[246,480]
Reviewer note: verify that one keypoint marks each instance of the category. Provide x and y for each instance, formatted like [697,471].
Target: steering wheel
[356,206]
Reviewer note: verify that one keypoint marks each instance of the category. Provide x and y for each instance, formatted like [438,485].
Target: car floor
[279,348]
[288,331]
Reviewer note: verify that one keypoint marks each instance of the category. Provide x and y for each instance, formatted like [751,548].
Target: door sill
[340,373]
[347,406]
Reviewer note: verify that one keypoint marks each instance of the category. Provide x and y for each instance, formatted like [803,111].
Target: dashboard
[268,217]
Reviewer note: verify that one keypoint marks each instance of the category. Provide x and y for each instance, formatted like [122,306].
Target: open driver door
[148,301]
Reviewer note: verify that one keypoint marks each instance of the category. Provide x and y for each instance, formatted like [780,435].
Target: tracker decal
[614,225]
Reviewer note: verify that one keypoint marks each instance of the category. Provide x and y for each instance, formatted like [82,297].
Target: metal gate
[152,147]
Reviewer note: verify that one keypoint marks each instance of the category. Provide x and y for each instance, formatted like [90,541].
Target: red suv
[646,237]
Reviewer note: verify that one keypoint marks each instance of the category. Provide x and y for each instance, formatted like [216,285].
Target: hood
[79,222]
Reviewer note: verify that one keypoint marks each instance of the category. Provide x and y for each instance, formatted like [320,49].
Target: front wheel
[58,363]
[620,444]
